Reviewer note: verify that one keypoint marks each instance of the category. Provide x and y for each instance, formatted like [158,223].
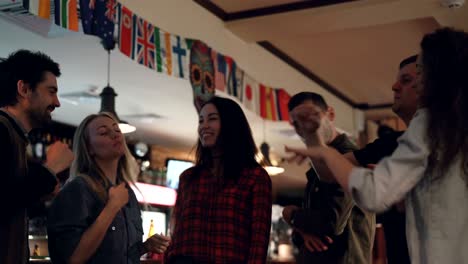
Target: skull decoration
[201,74]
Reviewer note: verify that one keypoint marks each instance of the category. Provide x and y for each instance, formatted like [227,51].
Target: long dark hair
[445,95]
[235,140]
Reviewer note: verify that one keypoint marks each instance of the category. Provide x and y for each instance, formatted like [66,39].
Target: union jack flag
[145,43]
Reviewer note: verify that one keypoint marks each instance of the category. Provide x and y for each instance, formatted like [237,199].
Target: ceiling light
[108,105]
[125,127]
[266,162]
[108,97]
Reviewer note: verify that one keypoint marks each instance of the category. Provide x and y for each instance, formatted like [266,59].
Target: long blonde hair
[84,165]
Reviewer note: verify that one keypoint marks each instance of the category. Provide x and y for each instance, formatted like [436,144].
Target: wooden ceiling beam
[350,15]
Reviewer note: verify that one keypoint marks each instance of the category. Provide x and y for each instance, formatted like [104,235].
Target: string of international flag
[161,51]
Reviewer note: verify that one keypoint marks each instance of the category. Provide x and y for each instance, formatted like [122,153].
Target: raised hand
[300,154]
[118,196]
[59,157]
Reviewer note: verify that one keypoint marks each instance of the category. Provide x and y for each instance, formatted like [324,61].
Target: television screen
[174,169]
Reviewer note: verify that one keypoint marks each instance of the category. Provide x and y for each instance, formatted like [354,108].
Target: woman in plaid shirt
[223,208]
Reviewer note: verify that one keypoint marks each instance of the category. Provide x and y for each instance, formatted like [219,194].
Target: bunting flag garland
[145,44]
[152,46]
[181,53]
[163,51]
[269,102]
[160,51]
[40,8]
[282,100]
[167,53]
[268,108]
[231,80]
[220,70]
[235,81]
[229,72]
[172,54]
[66,14]
[127,25]
[98,18]
[250,97]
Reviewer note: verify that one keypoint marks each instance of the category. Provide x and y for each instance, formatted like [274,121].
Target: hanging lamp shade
[266,161]
[108,94]
[108,105]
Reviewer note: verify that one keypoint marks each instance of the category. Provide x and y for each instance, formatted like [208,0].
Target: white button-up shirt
[436,210]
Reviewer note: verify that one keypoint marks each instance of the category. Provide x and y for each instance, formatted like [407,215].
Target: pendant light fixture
[108,95]
[266,161]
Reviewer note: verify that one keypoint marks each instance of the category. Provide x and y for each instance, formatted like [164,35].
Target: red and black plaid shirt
[229,224]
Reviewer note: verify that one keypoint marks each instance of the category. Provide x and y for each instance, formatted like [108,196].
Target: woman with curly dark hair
[430,166]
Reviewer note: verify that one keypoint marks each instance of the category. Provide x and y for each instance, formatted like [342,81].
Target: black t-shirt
[382,147]
[393,221]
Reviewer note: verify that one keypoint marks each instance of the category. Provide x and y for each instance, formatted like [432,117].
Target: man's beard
[39,118]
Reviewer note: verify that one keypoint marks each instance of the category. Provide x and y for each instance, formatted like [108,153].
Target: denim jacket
[76,208]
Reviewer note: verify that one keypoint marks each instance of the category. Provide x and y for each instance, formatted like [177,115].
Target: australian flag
[98,18]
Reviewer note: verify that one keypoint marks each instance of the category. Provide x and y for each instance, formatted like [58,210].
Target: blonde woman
[96,217]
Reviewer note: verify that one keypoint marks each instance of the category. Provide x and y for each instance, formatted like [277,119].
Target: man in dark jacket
[28,95]
[329,228]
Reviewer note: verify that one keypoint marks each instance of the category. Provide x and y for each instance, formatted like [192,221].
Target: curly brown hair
[445,95]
